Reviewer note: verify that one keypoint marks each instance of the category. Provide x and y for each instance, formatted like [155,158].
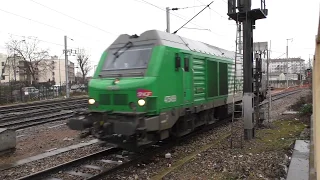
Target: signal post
[240,11]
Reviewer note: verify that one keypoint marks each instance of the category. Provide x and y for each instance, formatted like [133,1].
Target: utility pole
[168,19]
[14,66]
[248,18]
[168,15]
[300,74]
[268,90]
[287,49]
[309,61]
[59,73]
[66,66]
[287,55]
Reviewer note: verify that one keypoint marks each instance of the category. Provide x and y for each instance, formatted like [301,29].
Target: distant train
[147,88]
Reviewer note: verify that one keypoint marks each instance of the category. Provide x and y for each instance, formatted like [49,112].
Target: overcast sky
[94,25]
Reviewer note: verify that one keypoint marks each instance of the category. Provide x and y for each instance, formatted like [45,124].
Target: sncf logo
[141,93]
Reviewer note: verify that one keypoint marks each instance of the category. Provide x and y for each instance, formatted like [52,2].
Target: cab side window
[186,64]
[177,62]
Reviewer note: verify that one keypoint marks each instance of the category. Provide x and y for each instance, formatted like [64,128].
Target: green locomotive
[147,88]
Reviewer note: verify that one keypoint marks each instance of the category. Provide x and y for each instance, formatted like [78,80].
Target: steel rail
[42,111]
[52,170]
[26,108]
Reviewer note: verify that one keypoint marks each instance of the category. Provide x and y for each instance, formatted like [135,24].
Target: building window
[52,73]
[2,63]
[3,71]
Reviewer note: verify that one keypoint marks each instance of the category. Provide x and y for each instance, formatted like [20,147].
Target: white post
[168,19]
[66,66]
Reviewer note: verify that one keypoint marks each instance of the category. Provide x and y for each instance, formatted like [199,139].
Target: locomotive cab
[123,93]
[122,84]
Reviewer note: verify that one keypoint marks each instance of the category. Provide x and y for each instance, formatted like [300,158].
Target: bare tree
[84,64]
[31,54]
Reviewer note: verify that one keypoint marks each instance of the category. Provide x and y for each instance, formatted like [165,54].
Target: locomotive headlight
[141,102]
[91,101]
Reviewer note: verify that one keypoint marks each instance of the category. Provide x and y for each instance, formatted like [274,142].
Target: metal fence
[20,92]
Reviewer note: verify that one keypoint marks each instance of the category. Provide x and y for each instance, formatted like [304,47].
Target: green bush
[306,109]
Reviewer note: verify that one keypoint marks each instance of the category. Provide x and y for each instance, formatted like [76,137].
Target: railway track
[97,165]
[280,96]
[284,94]
[20,124]
[110,158]
[43,109]
[106,162]
[15,107]
[40,116]
[93,166]
[7,112]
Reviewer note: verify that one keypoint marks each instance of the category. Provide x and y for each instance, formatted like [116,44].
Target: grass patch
[280,137]
[262,157]
[265,154]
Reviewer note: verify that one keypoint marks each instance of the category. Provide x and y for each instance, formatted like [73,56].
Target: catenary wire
[73,18]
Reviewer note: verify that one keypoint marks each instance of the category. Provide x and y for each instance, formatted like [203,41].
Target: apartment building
[49,70]
[3,59]
[56,71]
[10,70]
[291,68]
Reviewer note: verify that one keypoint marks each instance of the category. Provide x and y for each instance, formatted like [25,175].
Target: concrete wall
[283,83]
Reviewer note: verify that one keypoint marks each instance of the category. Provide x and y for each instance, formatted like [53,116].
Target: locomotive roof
[172,40]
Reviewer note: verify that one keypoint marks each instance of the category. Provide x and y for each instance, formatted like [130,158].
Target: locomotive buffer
[240,11]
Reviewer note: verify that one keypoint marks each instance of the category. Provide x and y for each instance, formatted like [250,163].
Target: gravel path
[219,158]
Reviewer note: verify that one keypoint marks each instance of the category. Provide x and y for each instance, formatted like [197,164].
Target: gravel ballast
[40,139]
[220,158]
[49,162]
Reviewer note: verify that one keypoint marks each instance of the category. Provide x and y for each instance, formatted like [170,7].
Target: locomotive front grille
[115,99]
[105,99]
[120,99]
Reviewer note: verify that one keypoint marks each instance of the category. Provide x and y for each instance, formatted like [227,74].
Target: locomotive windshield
[135,57]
